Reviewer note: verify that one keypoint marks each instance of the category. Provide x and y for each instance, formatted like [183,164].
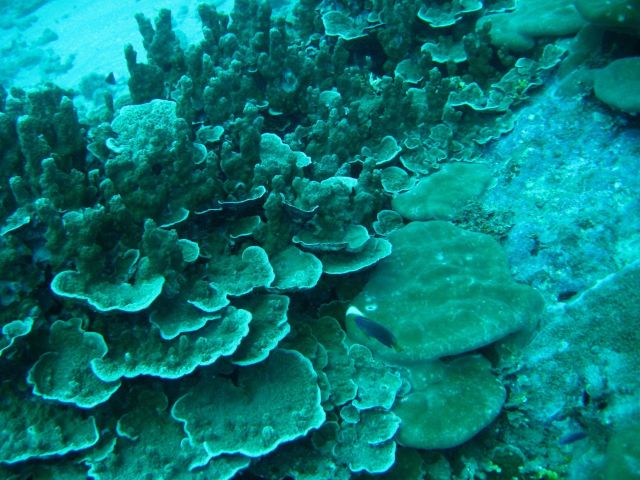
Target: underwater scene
[320,240]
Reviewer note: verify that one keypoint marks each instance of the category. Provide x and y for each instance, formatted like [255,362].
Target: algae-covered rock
[442,291]
[589,348]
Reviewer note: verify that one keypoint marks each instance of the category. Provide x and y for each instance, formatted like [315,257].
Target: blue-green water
[319,240]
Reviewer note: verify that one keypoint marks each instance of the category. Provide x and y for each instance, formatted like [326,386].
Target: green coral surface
[252,262]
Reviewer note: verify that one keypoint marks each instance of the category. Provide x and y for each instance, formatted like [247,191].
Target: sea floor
[42,45]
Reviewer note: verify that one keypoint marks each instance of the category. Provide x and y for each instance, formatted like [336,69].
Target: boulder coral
[452,294]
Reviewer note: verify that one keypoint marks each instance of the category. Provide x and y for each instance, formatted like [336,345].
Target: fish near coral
[373,329]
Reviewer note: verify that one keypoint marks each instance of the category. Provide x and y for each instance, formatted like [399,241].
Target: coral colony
[270,259]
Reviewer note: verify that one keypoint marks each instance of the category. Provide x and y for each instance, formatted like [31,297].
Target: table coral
[273,402]
[64,373]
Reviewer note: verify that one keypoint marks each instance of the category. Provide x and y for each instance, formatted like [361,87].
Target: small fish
[373,329]
[110,79]
[572,437]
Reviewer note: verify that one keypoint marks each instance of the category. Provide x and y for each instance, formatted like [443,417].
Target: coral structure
[215,279]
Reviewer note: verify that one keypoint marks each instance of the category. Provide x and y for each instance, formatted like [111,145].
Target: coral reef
[212,277]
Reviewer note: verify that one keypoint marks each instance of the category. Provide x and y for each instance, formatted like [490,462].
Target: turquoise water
[319,240]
